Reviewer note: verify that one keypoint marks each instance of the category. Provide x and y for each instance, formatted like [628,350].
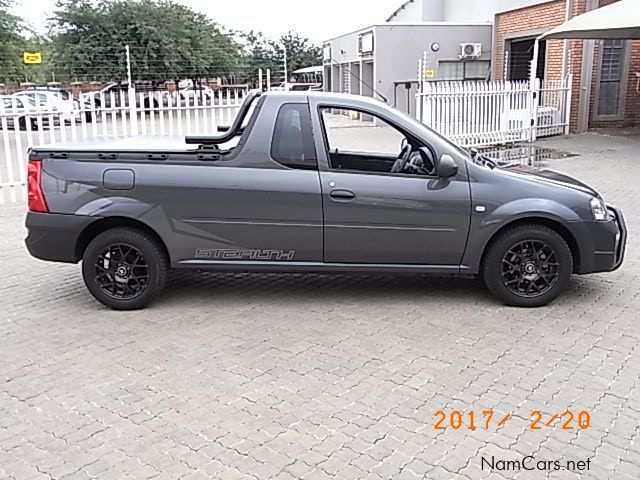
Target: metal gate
[495,112]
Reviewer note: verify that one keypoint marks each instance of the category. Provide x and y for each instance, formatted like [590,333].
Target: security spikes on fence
[484,113]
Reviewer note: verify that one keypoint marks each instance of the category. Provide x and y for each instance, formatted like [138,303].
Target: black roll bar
[232,131]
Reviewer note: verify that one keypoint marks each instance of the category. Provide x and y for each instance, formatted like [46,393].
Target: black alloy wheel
[527,265]
[530,268]
[125,268]
[122,272]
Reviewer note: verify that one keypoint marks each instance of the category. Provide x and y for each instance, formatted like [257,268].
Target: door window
[363,142]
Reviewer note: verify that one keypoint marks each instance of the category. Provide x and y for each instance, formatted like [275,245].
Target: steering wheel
[417,165]
[402,160]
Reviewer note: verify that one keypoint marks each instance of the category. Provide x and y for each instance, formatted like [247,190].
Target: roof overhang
[619,20]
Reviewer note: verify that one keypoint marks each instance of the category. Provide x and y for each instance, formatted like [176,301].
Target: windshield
[28,100]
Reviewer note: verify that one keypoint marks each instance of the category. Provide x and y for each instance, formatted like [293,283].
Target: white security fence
[483,113]
[24,125]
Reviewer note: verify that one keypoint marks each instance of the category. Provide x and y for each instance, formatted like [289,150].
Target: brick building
[606,73]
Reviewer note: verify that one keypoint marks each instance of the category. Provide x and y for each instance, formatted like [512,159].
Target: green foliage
[167,41]
[12,43]
[266,53]
[300,51]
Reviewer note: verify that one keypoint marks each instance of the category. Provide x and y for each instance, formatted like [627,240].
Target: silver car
[49,103]
[21,111]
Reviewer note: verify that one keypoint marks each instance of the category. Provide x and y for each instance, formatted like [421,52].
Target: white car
[190,93]
[48,102]
[18,113]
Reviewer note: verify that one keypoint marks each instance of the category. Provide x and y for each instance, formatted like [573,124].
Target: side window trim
[325,141]
[307,146]
[324,106]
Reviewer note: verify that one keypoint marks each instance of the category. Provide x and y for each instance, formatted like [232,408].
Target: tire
[124,268]
[527,266]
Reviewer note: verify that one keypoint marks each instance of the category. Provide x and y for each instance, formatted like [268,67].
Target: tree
[167,40]
[300,51]
[266,53]
[12,43]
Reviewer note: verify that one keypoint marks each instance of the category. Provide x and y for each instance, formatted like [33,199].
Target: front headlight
[599,209]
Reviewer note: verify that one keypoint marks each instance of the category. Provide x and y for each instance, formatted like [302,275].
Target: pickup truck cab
[309,181]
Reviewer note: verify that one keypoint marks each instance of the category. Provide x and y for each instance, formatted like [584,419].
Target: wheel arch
[107,223]
[560,229]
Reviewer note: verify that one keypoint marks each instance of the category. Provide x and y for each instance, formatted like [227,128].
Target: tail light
[37,202]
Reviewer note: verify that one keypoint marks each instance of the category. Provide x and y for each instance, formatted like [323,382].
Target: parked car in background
[65,95]
[57,91]
[116,95]
[50,102]
[109,95]
[191,94]
[18,113]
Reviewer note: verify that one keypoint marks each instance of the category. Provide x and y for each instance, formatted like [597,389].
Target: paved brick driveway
[319,376]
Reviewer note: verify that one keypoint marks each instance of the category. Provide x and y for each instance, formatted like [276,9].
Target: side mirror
[447,167]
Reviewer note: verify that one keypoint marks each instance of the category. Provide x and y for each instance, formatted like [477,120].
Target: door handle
[342,194]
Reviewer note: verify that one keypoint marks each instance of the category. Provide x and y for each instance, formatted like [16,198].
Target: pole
[565,42]
[534,91]
[286,71]
[260,79]
[126,49]
[268,79]
[133,112]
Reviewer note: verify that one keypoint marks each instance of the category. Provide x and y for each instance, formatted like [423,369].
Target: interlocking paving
[319,376]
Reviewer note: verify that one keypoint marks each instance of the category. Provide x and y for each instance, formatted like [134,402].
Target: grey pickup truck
[314,182]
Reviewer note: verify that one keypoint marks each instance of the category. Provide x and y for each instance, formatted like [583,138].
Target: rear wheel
[124,268]
[527,266]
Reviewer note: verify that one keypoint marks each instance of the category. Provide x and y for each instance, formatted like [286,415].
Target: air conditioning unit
[470,50]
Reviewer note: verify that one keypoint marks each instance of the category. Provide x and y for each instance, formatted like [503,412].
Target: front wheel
[527,266]
[124,268]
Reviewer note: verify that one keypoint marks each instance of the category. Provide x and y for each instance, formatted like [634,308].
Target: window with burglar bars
[611,77]
[468,70]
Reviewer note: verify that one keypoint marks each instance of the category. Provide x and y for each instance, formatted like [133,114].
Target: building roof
[618,20]
[399,9]
[411,24]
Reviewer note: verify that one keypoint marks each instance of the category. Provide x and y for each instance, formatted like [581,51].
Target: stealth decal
[241,254]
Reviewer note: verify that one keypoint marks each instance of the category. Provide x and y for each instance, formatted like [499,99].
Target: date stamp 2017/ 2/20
[489,419]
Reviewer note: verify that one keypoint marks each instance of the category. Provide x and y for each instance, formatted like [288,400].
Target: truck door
[262,206]
[378,211]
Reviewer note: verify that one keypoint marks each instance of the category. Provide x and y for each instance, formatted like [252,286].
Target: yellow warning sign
[429,73]
[29,57]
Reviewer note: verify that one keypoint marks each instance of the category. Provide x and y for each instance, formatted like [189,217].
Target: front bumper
[54,237]
[602,247]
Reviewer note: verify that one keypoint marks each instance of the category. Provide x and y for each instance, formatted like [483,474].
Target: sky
[317,19]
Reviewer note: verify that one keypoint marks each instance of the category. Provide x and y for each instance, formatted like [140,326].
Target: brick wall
[549,15]
[522,20]
[543,16]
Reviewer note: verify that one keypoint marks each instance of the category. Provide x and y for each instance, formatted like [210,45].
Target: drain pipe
[586,72]
[568,14]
